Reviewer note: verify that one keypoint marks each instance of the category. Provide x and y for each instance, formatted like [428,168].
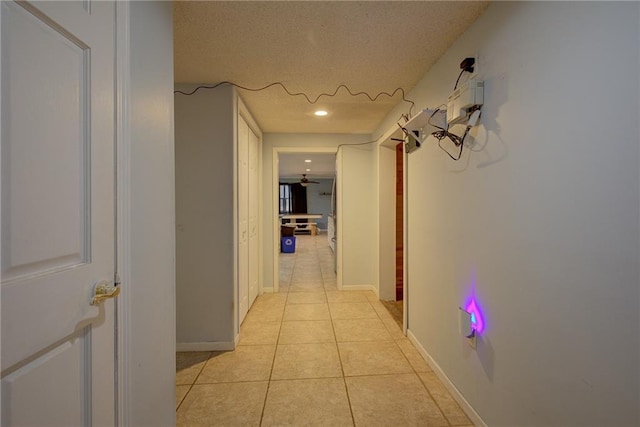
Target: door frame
[405,244]
[123,210]
[139,164]
[275,192]
[145,214]
[388,142]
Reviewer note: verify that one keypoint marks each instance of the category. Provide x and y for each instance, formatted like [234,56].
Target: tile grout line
[416,372]
[270,380]
[344,382]
[413,369]
[184,397]
[275,352]
[434,400]
[194,381]
[344,379]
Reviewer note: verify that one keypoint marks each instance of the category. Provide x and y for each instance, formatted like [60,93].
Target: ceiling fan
[305,181]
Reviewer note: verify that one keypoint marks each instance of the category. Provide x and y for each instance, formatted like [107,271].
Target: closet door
[254,207]
[243,218]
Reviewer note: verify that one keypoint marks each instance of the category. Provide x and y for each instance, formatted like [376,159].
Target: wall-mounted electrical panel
[468,95]
[420,126]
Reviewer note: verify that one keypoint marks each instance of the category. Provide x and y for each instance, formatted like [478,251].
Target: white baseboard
[360,288]
[466,407]
[376,291]
[206,346]
[267,290]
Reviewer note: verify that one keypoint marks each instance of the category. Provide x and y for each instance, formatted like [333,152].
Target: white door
[243,218]
[254,206]
[57,98]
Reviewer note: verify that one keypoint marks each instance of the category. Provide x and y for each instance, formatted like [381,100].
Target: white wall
[149,282]
[357,209]
[539,219]
[386,196]
[204,215]
[358,273]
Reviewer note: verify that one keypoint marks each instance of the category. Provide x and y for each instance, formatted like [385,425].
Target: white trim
[236,224]
[123,207]
[2,237]
[405,241]
[260,156]
[339,221]
[371,288]
[246,115]
[466,406]
[275,224]
[206,346]
[268,290]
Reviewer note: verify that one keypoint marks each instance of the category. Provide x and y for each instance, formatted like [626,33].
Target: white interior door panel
[58,221]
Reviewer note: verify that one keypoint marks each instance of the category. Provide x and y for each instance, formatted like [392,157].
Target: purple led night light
[477,320]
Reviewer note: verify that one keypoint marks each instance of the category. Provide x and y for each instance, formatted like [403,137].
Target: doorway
[396,307]
[391,182]
[289,166]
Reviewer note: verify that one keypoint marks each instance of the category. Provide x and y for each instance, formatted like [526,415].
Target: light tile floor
[314,356]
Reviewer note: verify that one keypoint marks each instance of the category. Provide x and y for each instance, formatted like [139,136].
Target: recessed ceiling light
[308,170]
[321,113]
[307,161]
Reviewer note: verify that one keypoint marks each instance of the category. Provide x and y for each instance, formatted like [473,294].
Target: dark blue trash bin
[288,244]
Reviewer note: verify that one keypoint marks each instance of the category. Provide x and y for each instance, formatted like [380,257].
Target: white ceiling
[313,47]
[293,165]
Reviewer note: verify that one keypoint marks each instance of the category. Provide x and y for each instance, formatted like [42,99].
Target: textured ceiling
[313,47]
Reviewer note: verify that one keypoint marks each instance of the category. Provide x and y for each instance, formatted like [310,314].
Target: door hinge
[116,279]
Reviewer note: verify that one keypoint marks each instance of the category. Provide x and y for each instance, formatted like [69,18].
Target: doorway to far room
[306,207]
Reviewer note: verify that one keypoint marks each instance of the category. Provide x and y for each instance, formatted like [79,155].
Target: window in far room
[285,199]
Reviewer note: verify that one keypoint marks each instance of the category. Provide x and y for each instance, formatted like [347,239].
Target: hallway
[313,355]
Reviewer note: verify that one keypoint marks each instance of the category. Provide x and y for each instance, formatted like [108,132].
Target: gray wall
[318,203]
[539,219]
[149,352]
[204,215]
